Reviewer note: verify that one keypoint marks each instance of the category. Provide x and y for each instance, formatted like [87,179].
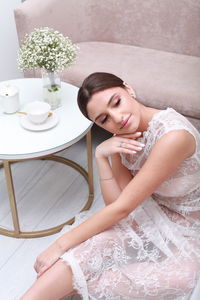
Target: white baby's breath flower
[48,49]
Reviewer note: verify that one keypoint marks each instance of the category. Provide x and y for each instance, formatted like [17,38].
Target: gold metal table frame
[88,175]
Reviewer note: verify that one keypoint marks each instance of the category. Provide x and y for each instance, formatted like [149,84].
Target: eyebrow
[110,100]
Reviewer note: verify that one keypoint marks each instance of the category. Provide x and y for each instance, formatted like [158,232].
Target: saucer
[48,124]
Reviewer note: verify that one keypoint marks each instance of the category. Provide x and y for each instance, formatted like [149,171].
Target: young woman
[145,242]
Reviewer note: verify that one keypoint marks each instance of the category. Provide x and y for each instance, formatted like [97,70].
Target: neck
[146,114]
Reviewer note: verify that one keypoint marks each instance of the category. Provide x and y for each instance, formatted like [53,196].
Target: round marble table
[19,143]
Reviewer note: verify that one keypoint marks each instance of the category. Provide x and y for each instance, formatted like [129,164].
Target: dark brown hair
[96,82]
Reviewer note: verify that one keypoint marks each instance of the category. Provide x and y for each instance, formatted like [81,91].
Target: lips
[125,122]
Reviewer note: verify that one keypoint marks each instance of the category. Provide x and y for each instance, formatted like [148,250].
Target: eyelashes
[117,103]
[104,120]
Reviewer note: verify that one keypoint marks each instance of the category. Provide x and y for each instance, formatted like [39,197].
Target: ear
[129,89]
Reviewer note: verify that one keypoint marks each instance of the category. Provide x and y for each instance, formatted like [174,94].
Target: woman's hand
[119,144]
[47,258]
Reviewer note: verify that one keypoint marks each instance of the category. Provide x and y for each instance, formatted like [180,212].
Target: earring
[133,95]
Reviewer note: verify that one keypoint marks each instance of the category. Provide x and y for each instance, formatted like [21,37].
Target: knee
[189,274]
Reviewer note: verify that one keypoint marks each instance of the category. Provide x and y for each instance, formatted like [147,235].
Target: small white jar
[9,98]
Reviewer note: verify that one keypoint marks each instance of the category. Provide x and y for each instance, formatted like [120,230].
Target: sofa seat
[170,79]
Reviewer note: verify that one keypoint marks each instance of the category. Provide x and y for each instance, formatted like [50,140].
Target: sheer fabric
[154,253]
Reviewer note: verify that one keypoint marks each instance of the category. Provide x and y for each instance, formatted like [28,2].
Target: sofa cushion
[161,79]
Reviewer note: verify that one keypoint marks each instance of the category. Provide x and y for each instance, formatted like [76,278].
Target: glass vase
[51,88]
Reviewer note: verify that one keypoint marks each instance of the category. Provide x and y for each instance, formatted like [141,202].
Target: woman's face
[115,110]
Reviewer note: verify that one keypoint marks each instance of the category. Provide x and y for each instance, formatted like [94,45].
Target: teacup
[37,111]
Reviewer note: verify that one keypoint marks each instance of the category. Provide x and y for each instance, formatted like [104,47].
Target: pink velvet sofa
[154,45]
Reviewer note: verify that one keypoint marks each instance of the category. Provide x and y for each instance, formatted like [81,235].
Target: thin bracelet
[102,179]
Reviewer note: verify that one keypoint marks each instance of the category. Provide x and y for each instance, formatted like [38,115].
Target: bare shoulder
[180,141]
[169,152]
[165,157]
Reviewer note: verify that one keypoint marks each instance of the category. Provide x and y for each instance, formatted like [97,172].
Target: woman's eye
[104,120]
[118,102]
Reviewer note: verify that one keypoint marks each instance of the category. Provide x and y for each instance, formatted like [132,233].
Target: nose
[116,116]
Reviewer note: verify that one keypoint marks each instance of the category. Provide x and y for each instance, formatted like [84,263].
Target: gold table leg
[88,175]
[11,194]
[90,166]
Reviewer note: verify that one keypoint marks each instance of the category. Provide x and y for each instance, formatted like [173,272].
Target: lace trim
[79,281]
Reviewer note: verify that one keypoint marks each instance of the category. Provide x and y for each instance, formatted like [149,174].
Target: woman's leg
[54,284]
[149,280]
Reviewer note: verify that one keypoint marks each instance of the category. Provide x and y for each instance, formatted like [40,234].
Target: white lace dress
[154,253]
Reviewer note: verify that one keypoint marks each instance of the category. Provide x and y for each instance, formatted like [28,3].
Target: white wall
[8,41]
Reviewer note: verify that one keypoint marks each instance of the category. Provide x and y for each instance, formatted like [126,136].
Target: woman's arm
[113,178]
[122,174]
[113,175]
[165,157]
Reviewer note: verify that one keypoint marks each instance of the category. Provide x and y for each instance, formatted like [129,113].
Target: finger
[134,142]
[42,270]
[130,143]
[130,147]
[127,151]
[130,135]
[128,140]
[38,266]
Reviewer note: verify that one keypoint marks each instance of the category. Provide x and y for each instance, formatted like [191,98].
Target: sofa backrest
[168,25]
